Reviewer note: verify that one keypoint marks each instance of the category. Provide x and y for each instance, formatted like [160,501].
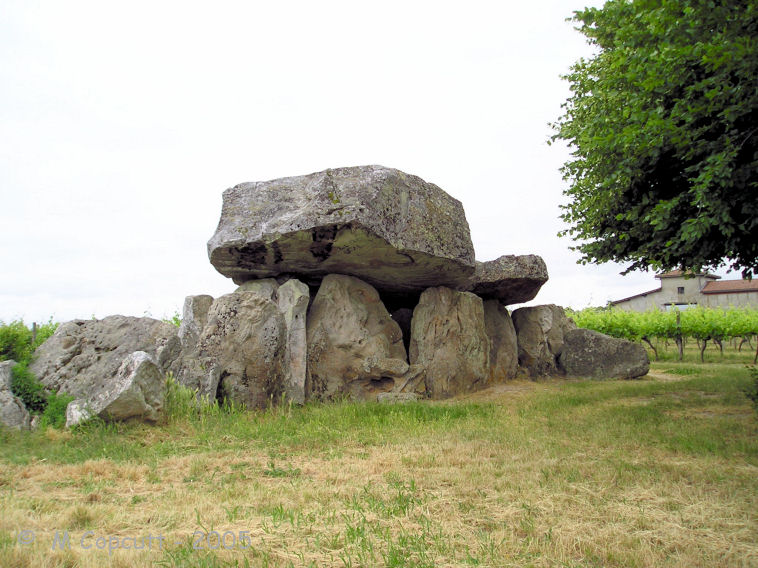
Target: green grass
[653,472]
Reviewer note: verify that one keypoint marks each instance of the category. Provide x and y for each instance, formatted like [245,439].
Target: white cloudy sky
[122,123]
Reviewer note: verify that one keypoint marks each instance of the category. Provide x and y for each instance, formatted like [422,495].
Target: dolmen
[356,282]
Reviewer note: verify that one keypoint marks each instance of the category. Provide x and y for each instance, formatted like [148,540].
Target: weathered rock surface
[503,342]
[194,316]
[266,287]
[449,340]
[6,374]
[354,346]
[13,413]
[509,279]
[135,392]
[83,356]
[293,300]
[391,229]
[242,348]
[588,353]
[540,331]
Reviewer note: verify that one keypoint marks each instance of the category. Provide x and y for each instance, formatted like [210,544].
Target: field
[661,471]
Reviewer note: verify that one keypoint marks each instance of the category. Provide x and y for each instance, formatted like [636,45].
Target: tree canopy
[663,127]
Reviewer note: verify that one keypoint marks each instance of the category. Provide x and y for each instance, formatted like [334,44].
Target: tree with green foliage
[663,127]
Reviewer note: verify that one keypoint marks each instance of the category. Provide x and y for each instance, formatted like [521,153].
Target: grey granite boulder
[449,341]
[588,353]
[509,279]
[194,316]
[135,392]
[503,342]
[354,347]
[293,299]
[6,374]
[393,230]
[242,350]
[83,356]
[540,331]
[266,287]
[13,413]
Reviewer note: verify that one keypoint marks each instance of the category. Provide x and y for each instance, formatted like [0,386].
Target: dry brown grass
[523,494]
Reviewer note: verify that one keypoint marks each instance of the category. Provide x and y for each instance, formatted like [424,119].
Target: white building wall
[640,303]
[736,299]
[690,295]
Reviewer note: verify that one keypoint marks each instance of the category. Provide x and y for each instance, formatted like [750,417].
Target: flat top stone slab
[391,229]
[510,279]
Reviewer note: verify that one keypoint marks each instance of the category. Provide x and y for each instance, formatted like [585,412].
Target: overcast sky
[122,124]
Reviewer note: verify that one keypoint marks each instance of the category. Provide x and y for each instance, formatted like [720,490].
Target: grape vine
[697,322]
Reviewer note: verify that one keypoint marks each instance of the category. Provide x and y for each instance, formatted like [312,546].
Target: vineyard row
[700,323]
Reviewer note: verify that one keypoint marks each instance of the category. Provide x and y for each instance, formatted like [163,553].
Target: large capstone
[354,347]
[393,230]
[509,279]
[588,353]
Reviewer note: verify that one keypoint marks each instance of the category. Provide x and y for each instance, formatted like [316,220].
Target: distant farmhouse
[700,289]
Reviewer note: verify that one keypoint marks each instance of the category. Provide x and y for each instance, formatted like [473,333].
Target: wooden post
[34,332]
[679,342]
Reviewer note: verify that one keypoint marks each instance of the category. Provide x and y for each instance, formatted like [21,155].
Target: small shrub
[15,341]
[26,387]
[176,319]
[55,412]
[44,332]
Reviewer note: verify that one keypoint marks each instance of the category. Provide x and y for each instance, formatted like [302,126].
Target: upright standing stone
[503,342]
[266,287]
[194,316]
[244,343]
[540,331]
[354,346]
[6,374]
[293,303]
[449,340]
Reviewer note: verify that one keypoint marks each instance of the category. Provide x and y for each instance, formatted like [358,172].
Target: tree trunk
[745,339]
[702,350]
[721,345]
[655,351]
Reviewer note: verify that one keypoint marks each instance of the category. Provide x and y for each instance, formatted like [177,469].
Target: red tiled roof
[730,287]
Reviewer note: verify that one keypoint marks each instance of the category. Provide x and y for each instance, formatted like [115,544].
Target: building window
[680,290]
